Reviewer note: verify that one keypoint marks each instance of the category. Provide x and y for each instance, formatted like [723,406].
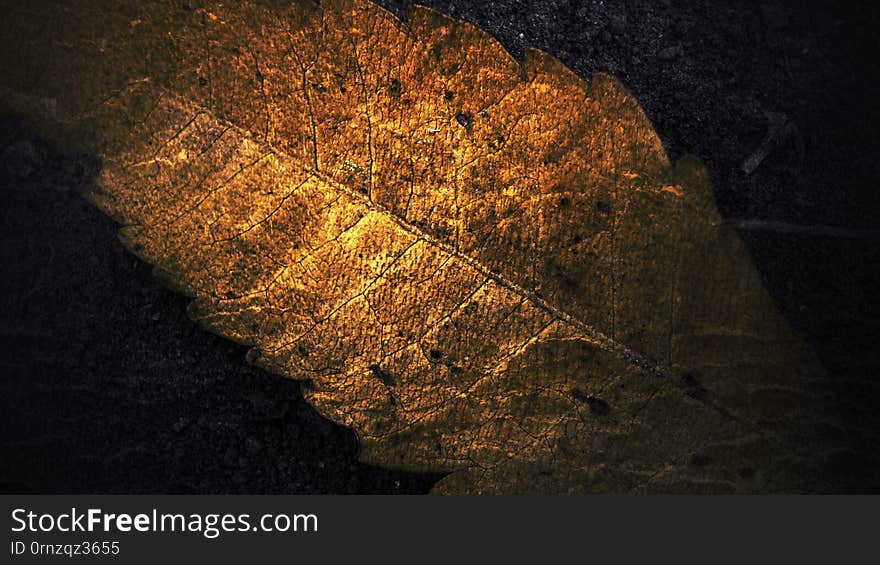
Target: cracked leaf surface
[482,266]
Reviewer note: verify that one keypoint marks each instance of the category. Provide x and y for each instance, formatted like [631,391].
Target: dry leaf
[483,267]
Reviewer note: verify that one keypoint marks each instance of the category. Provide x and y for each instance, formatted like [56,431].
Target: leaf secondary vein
[599,338]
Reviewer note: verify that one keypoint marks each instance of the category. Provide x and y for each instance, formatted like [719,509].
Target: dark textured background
[108,387]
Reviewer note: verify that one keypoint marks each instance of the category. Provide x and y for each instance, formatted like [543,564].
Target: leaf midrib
[602,340]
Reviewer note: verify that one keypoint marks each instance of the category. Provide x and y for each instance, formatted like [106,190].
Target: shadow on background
[109,387]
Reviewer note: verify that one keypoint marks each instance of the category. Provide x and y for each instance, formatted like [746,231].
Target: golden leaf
[482,266]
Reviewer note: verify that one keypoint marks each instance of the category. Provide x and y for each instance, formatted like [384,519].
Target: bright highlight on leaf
[483,266]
